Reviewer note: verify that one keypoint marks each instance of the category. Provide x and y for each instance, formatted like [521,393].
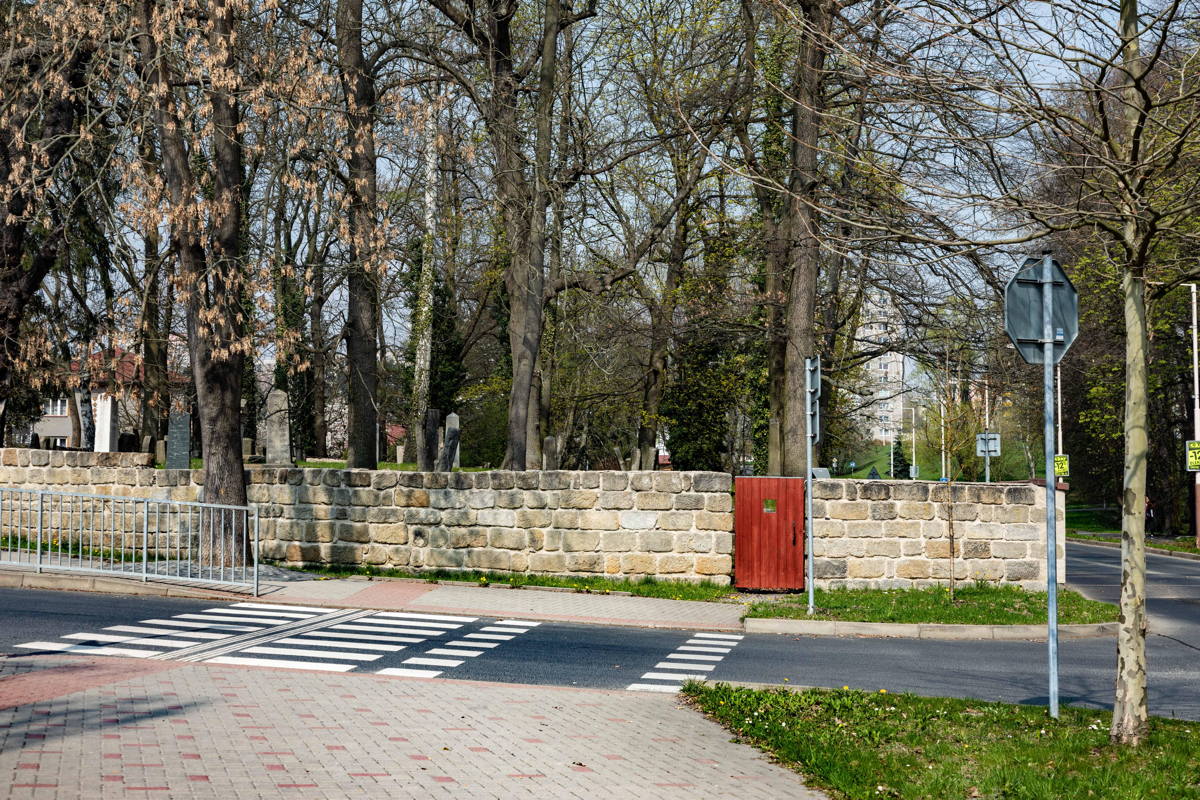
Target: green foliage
[696,404]
[869,745]
[899,460]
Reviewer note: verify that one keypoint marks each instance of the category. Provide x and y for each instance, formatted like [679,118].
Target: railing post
[145,541]
[40,497]
[256,552]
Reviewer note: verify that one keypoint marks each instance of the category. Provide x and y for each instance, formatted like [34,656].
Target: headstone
[179,440]
[106,424]
[873,475]
[449,457]
[550,453]
[147,444]
[276,433]
[127,442]
[428,454]
[247,447]
[160,451]
[35,441]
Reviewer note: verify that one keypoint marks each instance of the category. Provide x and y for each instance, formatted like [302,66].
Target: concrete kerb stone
[817,627]
[1158,551]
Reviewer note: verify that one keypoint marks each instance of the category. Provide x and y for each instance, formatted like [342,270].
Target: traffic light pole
[1048,339]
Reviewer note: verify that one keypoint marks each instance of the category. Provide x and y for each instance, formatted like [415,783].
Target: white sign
[987,444]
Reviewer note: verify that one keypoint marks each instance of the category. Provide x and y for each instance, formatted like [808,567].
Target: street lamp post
[1195,413]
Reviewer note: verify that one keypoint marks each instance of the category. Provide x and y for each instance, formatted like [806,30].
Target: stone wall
[896,534]
[670,525]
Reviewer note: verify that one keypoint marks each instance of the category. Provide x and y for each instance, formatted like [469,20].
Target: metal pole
[145,541]
[1058,405]
[914,433]
[808,487]
[40,497]
[256,552]
[1048,336]
[987,440]
[1195,411]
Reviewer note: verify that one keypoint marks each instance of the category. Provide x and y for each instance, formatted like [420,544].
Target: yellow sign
[1062,466]
[1193,456]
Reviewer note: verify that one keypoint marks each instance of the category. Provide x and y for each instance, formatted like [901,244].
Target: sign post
[812,407]
[1041,317]
[986,446]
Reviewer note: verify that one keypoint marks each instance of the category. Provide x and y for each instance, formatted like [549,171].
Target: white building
[882,413]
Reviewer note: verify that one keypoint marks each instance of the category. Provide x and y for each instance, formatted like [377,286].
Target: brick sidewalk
[115,728]
[645,612]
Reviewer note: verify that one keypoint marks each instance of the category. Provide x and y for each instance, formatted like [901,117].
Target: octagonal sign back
[1023,310]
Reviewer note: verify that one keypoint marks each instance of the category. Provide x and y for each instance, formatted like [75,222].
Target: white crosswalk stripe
[299,637]
[695,659]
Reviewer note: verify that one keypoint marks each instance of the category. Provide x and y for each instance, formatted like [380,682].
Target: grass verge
[861,745]
[1180,544]
[973,604]
[647,587]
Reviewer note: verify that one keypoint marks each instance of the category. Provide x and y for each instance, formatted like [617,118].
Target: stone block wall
[670,525]
[897,534]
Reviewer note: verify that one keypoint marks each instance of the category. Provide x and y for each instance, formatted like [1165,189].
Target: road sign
[1193,456]
[813,381]
[1062,466]
[987,444]
[1023,311]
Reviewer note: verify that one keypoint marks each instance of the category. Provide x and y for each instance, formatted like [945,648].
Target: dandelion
[883,691]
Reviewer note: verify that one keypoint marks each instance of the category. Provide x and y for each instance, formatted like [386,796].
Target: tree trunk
[526,278]
[154,345]
[422,327]
[1129,703]
[317,329]
[213,287]
[661,319]
[362,363]
[801,225]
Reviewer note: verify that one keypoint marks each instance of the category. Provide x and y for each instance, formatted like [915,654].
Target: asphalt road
[516,651]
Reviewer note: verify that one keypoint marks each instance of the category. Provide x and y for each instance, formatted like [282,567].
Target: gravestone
[179,440]
[106,424]
[247,447]
[147,444]
[35,441]
[277,432]
[127,442]
[160,451]
[428,454]
[873,475]
[449,457]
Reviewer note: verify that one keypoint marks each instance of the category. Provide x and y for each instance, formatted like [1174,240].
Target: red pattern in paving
[388,594]
[40,685]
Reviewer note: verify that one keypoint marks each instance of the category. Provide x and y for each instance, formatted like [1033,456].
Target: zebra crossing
[299,637]
[695,659]
[450,654]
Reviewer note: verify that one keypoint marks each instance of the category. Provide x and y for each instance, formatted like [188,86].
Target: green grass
[647,587]
[1180,544]
[1094,520]
[870,745]
[973,604]
[73,549]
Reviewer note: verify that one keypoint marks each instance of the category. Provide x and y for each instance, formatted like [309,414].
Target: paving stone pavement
[114,728]
[651,612]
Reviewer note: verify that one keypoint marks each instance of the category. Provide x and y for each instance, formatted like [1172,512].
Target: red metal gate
[769,533]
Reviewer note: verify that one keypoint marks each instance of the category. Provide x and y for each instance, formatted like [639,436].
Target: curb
[806,627]
[12,579]
[1158,551]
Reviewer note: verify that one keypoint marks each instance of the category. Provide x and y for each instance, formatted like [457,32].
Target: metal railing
[165,540]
